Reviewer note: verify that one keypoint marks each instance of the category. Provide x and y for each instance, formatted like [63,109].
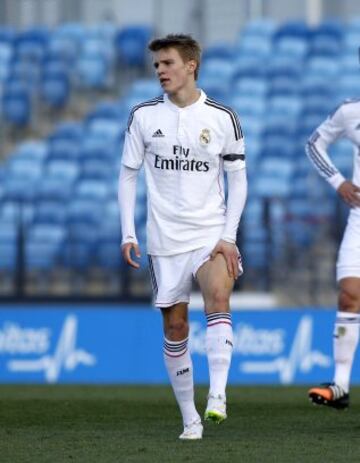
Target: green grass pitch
[141,424]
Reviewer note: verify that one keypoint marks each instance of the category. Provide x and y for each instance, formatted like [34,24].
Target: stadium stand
[63,187]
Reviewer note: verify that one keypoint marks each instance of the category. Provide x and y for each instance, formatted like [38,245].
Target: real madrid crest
[205,137]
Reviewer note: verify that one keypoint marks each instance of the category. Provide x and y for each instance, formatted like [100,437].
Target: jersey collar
[197,103]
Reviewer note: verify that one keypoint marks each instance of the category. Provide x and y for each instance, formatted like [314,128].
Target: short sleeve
[133,152]
[234,148]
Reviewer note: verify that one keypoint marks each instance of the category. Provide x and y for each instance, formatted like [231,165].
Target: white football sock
[219,347]
[346,338]
[180,370]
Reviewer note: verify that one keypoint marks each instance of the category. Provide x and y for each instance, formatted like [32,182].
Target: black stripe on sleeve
[234,157]
[153,102]
[316,157]
[233,116]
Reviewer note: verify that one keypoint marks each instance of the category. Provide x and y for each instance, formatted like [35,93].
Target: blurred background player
[343,123]
[185,141]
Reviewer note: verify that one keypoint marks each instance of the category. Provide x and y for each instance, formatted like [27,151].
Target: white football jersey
[185,152]
[344,122]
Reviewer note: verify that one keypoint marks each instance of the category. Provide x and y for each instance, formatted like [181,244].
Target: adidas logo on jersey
[158,133]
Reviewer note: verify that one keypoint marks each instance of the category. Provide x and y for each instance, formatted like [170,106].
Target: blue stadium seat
[257,46]
[20,188]
[349,62]
[98,46]
[16,104]
[55,188]
[252,126]
[26,168]
[85,211]
[95,148]
[279,146]
[351,42]
[92,189]
[249,105]
[106,129]
[63,47]
[49,212]
[30,45]
[64,149]
[260,27]
[68,131]
[285,105]
[8,245]
[246,86]
[6,51]
[111,110]
[67,170]
[324,45]
[34,150]
[295,47]
[274,178]
[55,87]
[284,85]
[296,28]
[322,104]
[25,73]
[317,85]
[16,212]
[104,30]
[285,66]
[323,66]
[108,255]
[7,34]
[131,44]
[349,85]
[280,125]
[43,246]
[145,89]
[250,66]
[96,169]
[93,71]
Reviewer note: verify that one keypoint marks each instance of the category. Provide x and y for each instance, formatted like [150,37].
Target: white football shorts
[348,262]
[171,276]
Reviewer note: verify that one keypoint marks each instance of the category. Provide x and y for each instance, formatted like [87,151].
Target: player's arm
[237,192]
[132,159]
[234,164]
[127,200]
[317,151]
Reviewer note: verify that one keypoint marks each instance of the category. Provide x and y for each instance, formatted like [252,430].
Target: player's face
[173,74]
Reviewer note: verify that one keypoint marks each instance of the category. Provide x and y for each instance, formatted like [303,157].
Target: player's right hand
[126,250]
[350,193]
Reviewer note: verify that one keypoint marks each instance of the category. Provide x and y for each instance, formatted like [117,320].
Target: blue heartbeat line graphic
[66,356]
[300,357]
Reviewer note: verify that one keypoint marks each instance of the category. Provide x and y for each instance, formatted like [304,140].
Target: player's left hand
[231,255]
[349,192]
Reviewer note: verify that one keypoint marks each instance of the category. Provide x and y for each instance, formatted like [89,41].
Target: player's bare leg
[179,366]
[346,338]
[216,286]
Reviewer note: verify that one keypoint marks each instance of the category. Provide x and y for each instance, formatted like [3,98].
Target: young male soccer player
[343,123]
[186,141]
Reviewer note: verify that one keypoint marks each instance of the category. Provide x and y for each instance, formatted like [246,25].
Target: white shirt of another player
[343,123]
[185,152]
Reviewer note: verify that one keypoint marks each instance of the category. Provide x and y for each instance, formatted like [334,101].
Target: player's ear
[191,65]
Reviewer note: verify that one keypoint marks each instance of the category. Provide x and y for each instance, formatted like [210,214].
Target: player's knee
[177,330]
[218,301]
[348,301]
